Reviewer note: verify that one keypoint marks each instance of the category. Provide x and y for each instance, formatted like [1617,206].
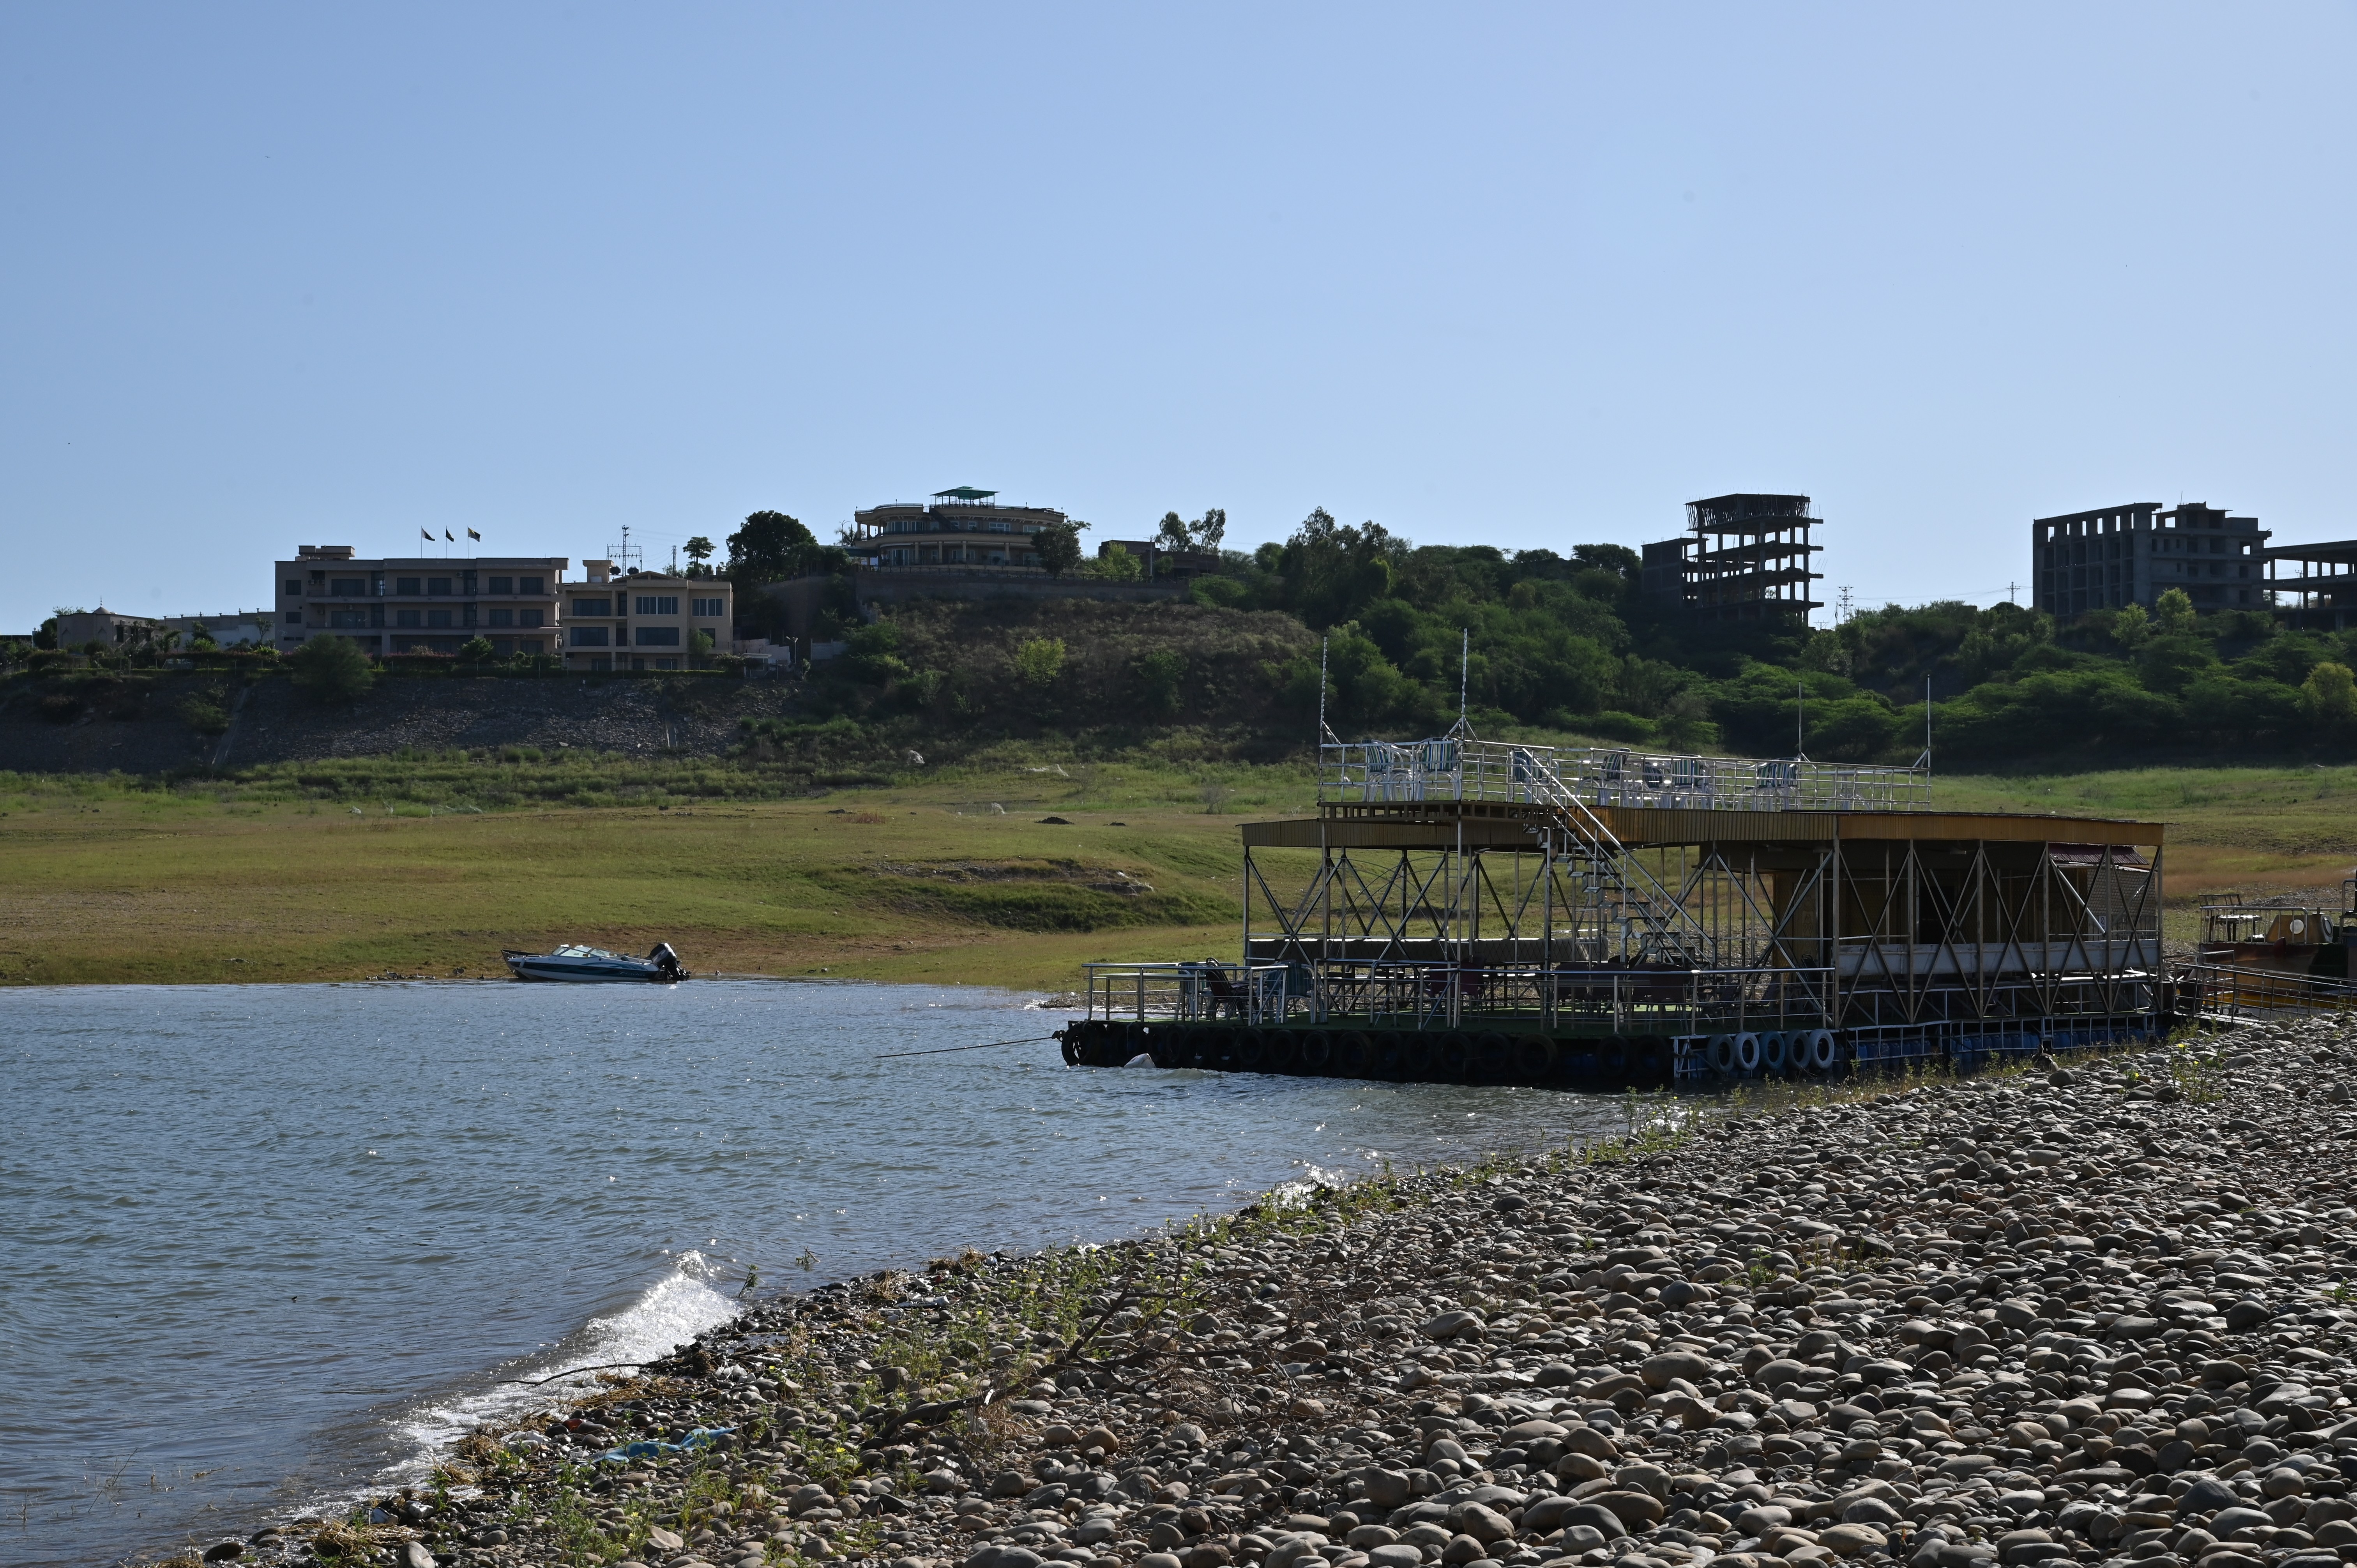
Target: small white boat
[573,961]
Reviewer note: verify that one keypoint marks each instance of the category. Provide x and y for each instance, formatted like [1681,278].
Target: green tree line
[1568,641]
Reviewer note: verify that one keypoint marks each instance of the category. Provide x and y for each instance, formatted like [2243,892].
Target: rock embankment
[2097,1315]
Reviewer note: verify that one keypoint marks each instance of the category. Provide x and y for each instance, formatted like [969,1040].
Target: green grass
[431,862]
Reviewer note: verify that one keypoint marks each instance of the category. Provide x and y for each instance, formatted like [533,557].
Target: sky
[1529,276]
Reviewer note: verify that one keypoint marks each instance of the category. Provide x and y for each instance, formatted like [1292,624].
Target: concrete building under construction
[2314,586]
[2134,552]
[1462,909]
[1742,558]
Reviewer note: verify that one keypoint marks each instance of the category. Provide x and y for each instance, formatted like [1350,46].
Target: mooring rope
[945,1050]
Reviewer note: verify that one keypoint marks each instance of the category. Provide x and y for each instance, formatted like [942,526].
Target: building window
[503,585]
[348,588]
[437,618]
[590,636]
[409,617]
[600,661]
[531,585]
[504,645]
[294,617]
[659,636]
[650,604]
[714,607]
[295,585]
[666,663]
[593,606]
[409,585]
[348,617]
[502,618]
[528,618]
[437,585]
[532,645]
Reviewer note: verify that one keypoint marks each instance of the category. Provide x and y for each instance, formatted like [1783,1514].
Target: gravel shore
[2094,1313]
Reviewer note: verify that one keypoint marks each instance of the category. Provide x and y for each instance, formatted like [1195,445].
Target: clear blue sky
[1525,275]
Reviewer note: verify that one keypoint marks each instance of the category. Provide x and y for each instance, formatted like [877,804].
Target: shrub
[203,714]
[1039,661]
[2330,693]
[331,669]
[1159,675]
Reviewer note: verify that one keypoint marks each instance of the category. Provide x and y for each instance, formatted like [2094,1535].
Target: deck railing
[1455,769]
[1443,996]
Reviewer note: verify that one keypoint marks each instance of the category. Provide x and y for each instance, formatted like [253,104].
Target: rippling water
[260,1246]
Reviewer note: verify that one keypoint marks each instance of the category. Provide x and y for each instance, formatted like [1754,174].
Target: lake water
[262,1246]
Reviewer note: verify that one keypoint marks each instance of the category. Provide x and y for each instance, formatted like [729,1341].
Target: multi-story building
[2133,553]
[1743,557]
[644,620]
[395,606]
[958,532]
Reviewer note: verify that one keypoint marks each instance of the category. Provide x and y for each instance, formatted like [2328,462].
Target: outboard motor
[663,958]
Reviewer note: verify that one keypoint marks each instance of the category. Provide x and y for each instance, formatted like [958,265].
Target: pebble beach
[2093,1311]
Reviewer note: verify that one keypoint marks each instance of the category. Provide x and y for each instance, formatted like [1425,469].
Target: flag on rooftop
[473,535]
[450,536]
[425,533]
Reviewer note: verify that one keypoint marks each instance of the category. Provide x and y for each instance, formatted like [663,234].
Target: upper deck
[1459,793]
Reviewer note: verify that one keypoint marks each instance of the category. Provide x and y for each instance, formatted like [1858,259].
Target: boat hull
[591,971]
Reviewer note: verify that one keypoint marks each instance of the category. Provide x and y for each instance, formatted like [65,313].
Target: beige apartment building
[420,606]
[644,620]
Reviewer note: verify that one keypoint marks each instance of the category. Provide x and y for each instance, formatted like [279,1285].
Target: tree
[2131,628]
[2330,693]
[1039,661]
[201,639]
[698,549]
[1211,528]
[1173,534]
[477,651]
[331,669]
[2174,613]
[1117,566]
[1617,559]
[1332,571]
[1057,547]
[773,547]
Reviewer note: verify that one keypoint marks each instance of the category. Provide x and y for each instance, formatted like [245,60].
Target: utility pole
[1841,609]
[2010,588]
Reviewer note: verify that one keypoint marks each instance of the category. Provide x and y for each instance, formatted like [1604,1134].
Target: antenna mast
[1464,667]
[1925,761]
[1325,737]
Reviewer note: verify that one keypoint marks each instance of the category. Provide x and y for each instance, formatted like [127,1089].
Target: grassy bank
[421,865]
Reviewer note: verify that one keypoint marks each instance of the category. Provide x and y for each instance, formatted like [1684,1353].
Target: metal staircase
[1625,892]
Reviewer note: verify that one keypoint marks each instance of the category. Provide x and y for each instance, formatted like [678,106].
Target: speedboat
[574,961]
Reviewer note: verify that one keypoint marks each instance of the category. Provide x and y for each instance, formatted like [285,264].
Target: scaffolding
[1548,900]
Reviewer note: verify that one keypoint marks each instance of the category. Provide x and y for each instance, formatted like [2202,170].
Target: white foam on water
[673,1311]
